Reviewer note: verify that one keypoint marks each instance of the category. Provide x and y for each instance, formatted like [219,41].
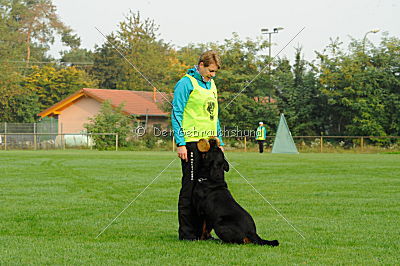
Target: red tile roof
[136,102]
[265,99]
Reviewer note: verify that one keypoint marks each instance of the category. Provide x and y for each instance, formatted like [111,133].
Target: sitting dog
[214,202]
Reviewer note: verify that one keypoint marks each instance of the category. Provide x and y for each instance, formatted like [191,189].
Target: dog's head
[214,159]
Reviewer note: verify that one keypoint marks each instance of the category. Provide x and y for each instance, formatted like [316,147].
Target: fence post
[5,135]
[245,144]
[61,135]
[34,136]
[173,143]
[322,143]
[116,142]
[362,143]
[91,143]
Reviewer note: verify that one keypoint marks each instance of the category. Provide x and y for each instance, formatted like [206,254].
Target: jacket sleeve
[182,91]
[219,134]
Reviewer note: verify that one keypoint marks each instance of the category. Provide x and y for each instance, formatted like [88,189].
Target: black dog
[214,202]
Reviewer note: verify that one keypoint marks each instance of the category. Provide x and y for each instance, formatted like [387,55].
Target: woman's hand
[182,153]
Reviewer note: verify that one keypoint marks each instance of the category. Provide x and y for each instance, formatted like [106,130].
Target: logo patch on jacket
[210,108]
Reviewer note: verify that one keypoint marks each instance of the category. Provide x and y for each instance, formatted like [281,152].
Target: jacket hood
[194,73]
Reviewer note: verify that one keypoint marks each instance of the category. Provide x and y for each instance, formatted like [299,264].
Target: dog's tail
[256,239]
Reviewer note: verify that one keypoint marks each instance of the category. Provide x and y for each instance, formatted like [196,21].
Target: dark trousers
[190,224]
[261,145]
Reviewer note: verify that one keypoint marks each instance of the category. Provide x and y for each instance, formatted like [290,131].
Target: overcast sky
[183,22]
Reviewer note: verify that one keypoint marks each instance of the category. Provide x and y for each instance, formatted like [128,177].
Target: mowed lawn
[53,204]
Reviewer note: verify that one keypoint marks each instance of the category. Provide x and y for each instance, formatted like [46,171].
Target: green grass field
[54,203]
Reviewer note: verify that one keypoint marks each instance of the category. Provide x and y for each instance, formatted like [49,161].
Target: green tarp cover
[283,141]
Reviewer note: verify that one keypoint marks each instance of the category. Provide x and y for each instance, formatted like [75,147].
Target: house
[74,111]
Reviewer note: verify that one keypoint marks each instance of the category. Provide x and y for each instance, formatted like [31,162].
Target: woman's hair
[210,57]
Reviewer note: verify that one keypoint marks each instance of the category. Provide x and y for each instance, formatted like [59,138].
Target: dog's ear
[226,166]
[203,145]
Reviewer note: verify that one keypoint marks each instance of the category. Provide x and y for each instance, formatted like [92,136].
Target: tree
[299,97]
[24,98]
[188,56]
[10,51]
[245,112]
[283,81]
[22,108]
[108,64]
[11,45]
[138,40]
[38,22]
[77,57]
[387,59]
[361,88]
[241,63]
[51,85]
[27,29]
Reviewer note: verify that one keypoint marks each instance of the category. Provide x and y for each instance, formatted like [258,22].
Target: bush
[110,120]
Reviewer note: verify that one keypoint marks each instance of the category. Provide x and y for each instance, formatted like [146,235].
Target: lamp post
[266,31]
[365,38]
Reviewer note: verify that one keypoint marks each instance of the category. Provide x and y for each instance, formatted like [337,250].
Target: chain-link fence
[44,126]
[321,144]
[48,141]
[44,135]
[27,135]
